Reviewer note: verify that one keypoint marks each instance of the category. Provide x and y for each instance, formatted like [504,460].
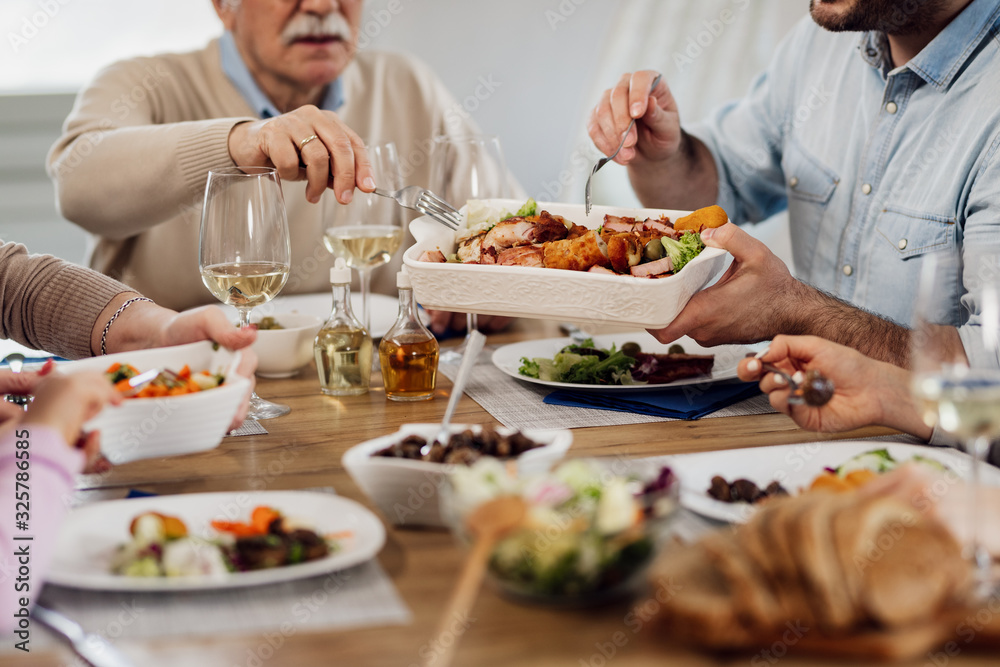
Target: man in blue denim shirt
[883,147]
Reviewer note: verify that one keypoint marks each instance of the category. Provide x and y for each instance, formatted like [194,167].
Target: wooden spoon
[488,523]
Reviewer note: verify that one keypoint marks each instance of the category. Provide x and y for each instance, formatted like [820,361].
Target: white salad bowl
[575,296]
[142,428]
[406,490]
[284,352]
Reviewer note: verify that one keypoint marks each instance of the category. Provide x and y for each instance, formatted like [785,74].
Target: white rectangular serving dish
[555,294]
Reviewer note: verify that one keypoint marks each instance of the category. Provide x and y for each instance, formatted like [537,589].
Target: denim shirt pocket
[911,233]
[807,179]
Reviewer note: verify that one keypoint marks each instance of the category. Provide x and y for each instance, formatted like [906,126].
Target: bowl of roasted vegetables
[590,530]
[183,400]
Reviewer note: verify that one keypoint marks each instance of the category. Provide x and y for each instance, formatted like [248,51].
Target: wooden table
[303,450]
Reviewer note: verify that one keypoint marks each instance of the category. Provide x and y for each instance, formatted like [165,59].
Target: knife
[94,649]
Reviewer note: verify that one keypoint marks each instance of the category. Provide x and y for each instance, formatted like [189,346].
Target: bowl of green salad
[591,529]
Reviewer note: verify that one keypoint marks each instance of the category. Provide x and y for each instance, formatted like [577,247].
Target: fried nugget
[703,218]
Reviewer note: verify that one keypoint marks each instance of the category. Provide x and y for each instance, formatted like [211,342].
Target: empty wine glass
[959,397]
[244,249]
[368,231]
[465,167]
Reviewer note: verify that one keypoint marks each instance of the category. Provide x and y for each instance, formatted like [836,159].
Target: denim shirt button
[866,189]
[793,181]
[848,269]
[902,244]
[891,107]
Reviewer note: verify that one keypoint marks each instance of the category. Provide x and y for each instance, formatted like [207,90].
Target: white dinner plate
[727,357]
[795,467]
[384,308]
[91,535]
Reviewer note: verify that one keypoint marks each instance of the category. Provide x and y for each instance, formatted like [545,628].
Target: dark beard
[894,17]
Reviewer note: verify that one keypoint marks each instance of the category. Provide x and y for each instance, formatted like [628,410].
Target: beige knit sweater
[132,162]
[50,304]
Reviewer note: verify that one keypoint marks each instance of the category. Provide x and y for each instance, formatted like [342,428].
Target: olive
[631,349]
[654,250]
[675,349]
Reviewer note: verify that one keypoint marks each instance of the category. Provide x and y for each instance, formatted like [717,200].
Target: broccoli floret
[530,208]
[684,249]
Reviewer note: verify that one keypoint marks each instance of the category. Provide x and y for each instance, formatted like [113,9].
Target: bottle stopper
[340,273]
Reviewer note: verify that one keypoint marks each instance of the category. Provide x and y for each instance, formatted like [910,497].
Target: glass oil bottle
[408,352]
[343,347]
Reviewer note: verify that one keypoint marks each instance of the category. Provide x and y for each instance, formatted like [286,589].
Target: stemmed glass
[244,250]
[368,231]
[465,167]
[959,397]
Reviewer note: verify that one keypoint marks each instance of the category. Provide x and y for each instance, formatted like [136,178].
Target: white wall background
[527,70]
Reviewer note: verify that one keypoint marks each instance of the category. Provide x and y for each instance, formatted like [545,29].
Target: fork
[426,202]
[604,160]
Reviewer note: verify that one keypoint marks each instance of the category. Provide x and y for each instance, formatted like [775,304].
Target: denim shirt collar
[239,74]
[940,62]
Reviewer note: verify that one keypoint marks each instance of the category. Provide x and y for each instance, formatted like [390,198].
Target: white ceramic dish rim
[362,453]
[430,234]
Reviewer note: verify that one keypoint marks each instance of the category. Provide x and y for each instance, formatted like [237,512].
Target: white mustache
[310,25]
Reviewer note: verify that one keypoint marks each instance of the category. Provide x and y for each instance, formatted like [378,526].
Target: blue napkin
[686,402]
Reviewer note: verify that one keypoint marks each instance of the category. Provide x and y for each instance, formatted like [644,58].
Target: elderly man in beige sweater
[285,85]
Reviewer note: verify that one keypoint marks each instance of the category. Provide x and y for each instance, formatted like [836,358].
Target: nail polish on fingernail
[780,380]
[347,196]
[753,365]
[370,183]
[636,109]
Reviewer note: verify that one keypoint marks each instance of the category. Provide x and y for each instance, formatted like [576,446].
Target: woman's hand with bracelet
[143,324]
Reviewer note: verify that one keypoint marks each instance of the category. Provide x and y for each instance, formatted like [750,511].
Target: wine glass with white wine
[465,167]
[244,250]
[960,397]
[368,231]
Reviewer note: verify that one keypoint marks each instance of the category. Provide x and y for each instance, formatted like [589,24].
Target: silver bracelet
[104,334]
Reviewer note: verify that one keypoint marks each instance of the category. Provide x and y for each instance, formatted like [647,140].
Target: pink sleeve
[27,550]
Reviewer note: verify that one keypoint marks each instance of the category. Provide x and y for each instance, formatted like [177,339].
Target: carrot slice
[830,481]
[262,516]
[858,478]
[185,372]
[237,528]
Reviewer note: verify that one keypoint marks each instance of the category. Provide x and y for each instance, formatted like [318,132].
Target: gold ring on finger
[307,140]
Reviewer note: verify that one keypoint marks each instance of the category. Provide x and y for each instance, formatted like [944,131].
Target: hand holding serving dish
[538,291]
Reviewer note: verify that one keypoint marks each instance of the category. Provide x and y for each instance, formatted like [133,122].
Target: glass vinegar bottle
[343,347]
[408,352]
